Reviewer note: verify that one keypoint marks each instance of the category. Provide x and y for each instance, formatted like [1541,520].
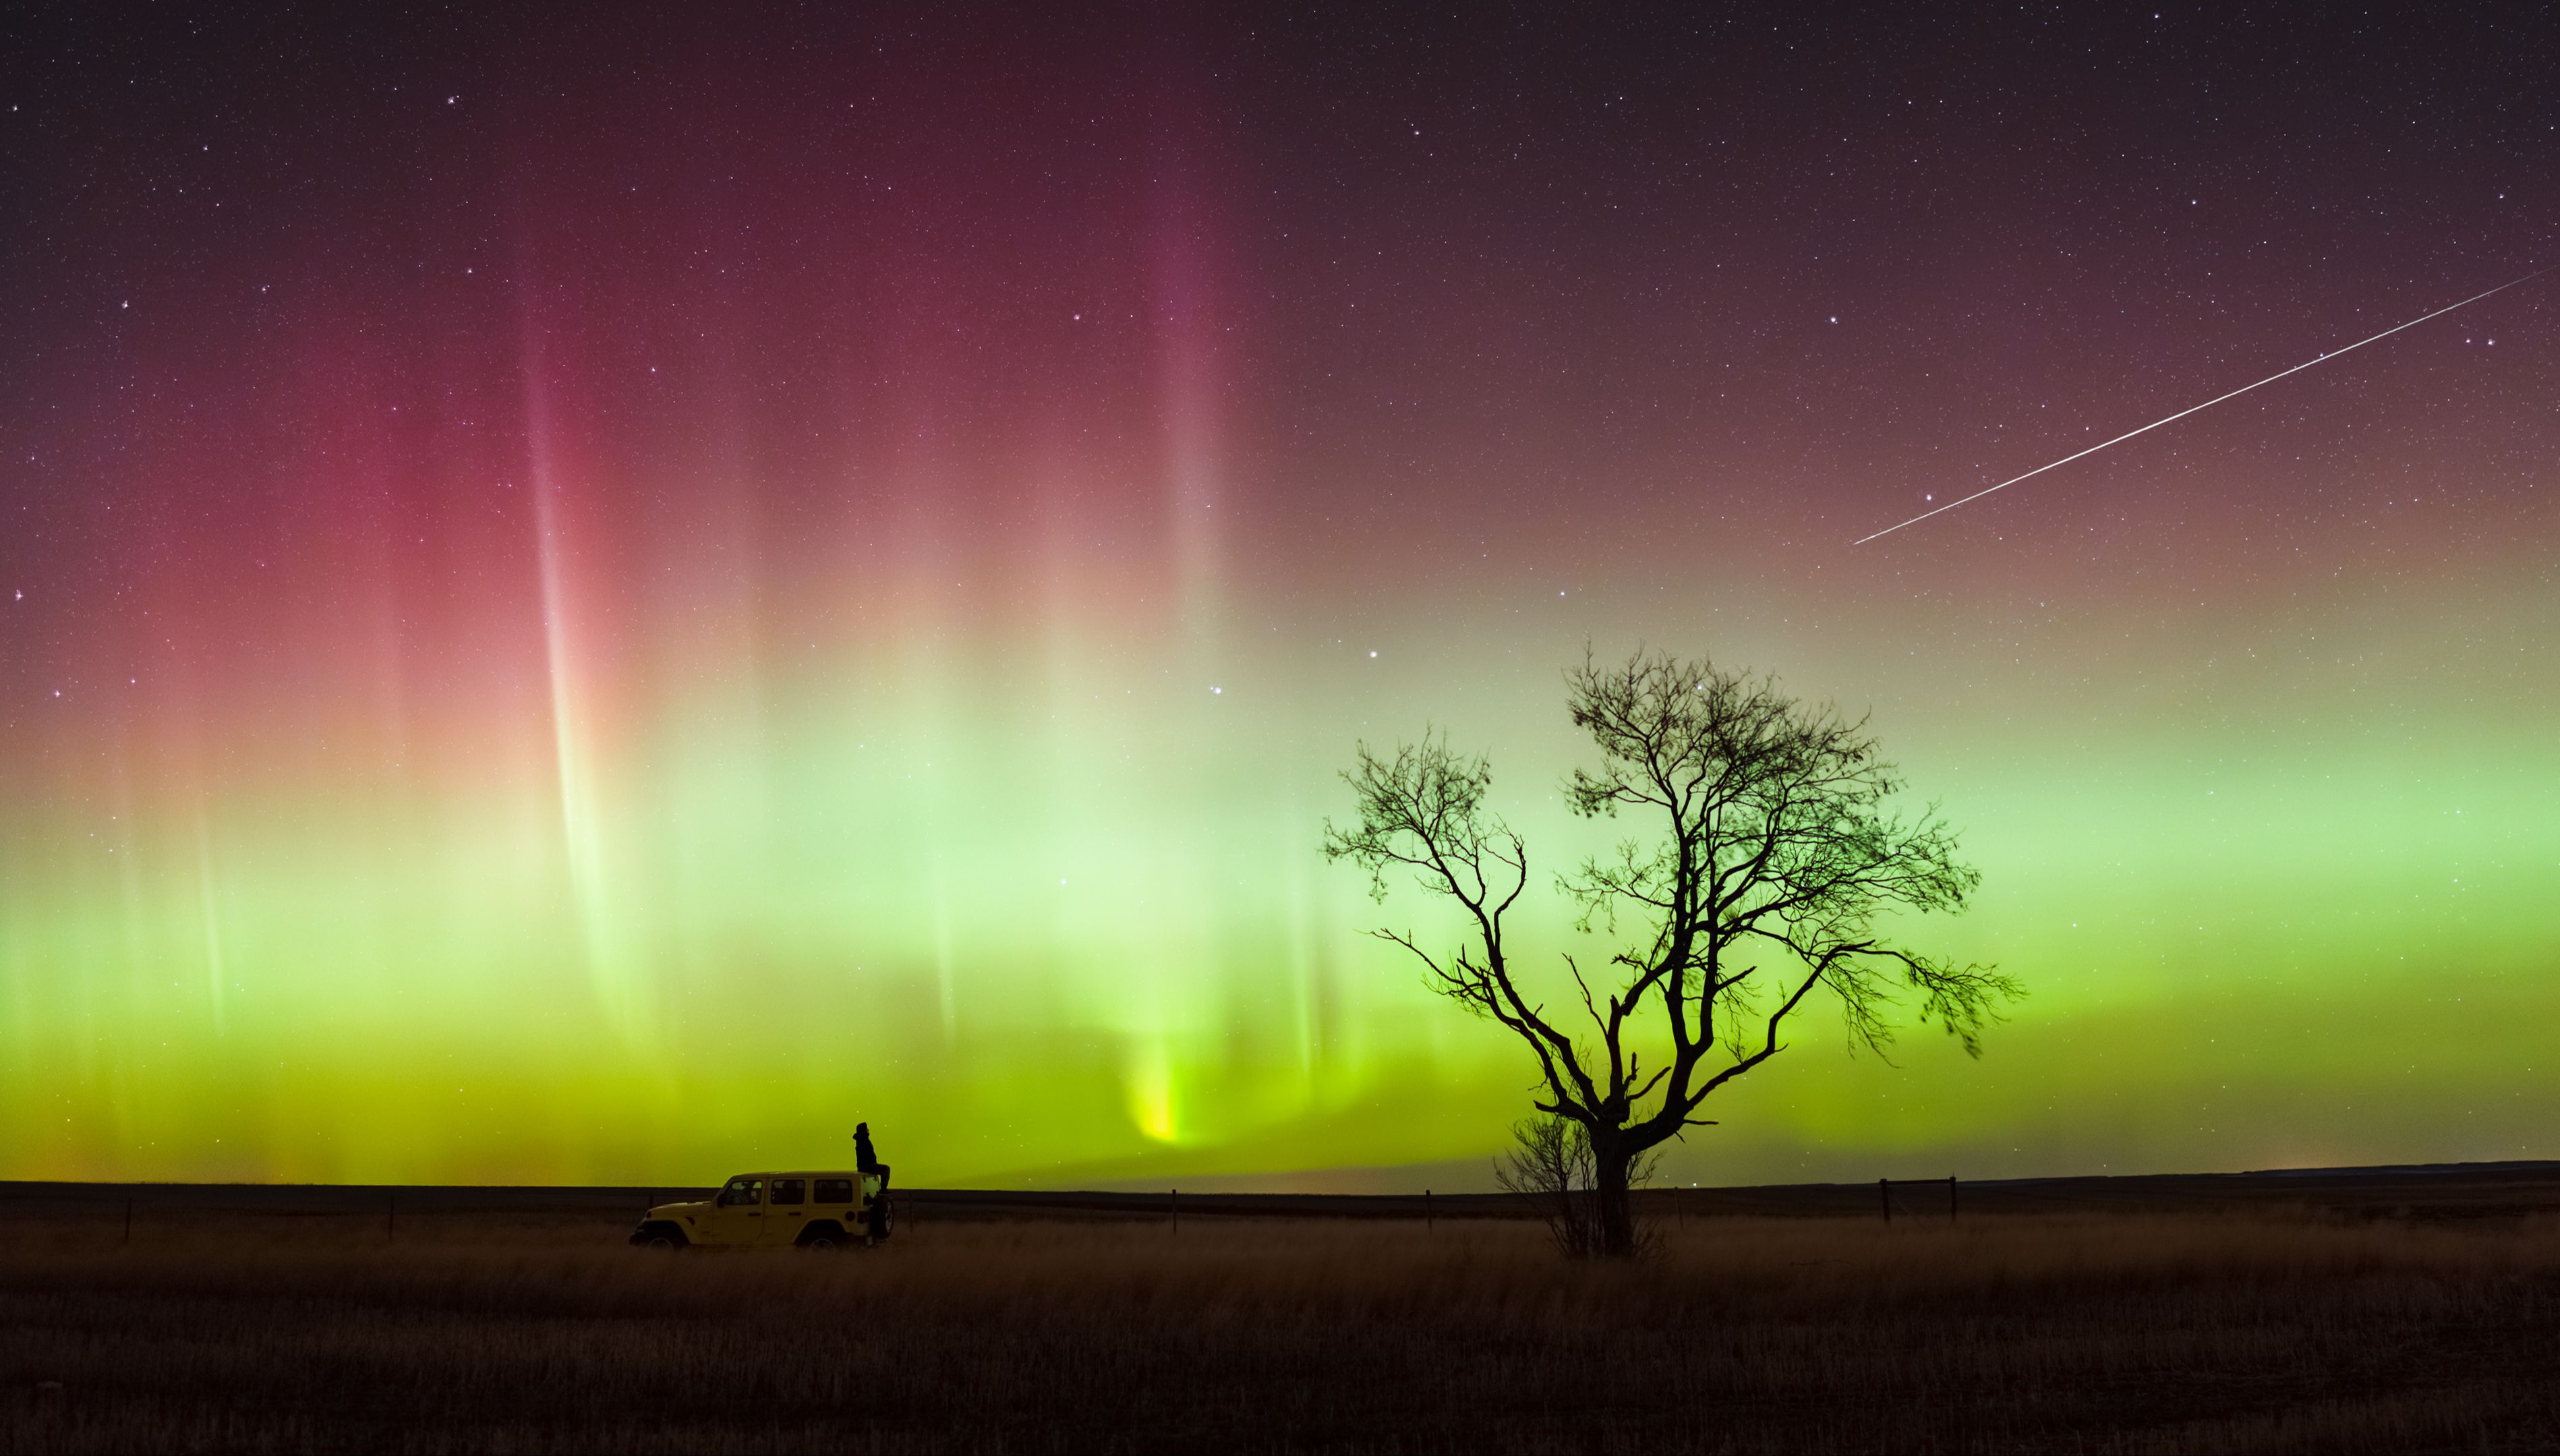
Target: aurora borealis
[594,599]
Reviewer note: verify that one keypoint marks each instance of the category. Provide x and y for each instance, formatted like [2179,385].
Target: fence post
[1174,1201]
[129,1221]
[390,1217]
[1427,1224]
[1951,1197]
[1884,1195]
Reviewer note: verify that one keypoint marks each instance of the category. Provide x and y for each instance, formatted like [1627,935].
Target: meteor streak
[2207,405]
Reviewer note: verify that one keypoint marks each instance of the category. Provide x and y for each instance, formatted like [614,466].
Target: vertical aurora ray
[213,920]
[583,827]
[579,833]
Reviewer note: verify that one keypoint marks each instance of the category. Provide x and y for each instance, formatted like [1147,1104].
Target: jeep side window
[742,1193]
[835,1190]
[789,1190]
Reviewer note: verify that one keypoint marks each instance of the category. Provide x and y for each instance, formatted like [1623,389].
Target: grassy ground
[2094,1332]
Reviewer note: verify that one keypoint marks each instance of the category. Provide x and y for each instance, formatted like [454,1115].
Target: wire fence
[131,1213]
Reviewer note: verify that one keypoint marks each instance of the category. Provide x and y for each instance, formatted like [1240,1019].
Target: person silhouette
[867,1162]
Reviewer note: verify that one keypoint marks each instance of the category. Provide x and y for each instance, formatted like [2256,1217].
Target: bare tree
[1764,852]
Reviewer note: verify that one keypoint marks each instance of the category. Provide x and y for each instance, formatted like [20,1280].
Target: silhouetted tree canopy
[1764,848]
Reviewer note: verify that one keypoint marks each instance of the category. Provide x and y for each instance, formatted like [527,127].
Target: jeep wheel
[661,1238]
[822,1241]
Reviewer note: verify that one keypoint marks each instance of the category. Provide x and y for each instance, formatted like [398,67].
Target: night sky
[592,598]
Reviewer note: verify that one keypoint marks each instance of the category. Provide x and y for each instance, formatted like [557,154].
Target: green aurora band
[1056,915]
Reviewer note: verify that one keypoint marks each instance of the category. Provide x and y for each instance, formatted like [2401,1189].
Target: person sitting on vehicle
[865,1159]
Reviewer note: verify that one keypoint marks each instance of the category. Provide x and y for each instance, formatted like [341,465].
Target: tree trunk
[1617,1209]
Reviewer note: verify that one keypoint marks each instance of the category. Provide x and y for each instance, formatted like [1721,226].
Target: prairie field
[2250,1331]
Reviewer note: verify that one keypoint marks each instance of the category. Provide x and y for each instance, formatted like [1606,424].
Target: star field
[715,572]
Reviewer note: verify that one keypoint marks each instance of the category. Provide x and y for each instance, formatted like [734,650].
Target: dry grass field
[2252,1331]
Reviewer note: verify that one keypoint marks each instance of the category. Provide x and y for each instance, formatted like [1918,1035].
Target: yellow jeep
[811,1210]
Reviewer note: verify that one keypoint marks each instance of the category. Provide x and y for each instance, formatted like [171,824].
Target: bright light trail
[2207,405]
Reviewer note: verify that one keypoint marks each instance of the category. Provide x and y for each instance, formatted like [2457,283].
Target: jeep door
[736,1216]
[786,1210]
